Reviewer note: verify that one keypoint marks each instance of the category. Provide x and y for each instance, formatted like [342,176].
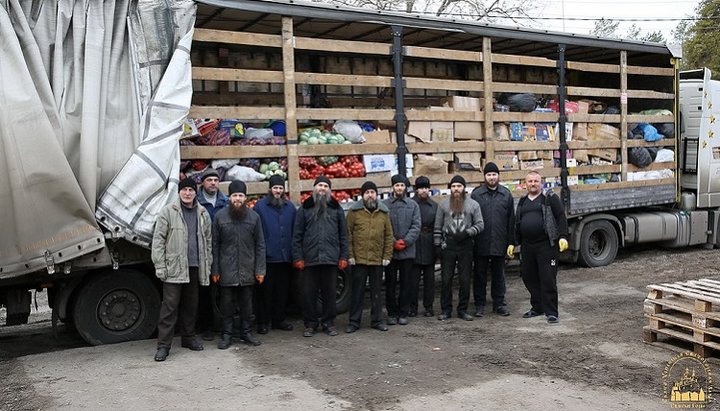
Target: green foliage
[701,38]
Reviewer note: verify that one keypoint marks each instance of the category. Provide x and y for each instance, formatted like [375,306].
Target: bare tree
[478,10]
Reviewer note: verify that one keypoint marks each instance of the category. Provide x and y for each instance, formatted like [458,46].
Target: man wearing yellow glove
[238,247]
[542,230]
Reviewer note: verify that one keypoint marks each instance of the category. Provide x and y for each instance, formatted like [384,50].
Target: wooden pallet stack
[686,311]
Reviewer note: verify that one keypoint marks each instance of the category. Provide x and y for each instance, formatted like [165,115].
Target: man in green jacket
[182,258]
[370,239]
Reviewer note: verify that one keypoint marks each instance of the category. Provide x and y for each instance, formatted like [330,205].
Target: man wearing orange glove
[405,219]
[238,262]
[320,248]
[542,230]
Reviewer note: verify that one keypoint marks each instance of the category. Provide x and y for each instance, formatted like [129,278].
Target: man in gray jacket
[405,219]
[458,220]
[182,257]
[238,247]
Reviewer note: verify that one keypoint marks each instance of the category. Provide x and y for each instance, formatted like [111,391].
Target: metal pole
[398,85]
[562,95]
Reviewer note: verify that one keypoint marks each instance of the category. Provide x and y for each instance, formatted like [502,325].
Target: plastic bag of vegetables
[350,130]
[245,174]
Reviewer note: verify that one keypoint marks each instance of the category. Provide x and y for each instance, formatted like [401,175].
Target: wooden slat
[344,114]
[221,152]
[342,46]
[593,118]
[442,54]
[588,145]
[593,67]
[499,87]
[653,166]
[225,74]
[650,94]
[290,100]
[349,183]
[624,184]
[684,321]
[623,114]
[237,37]
[526,117]
[683,304]
[593,91]
[454,147]
[437,84]
[644,118]
[651,71]
[666,142]
[676,288]
[523,60]
[488,93]
[526,145]
[345,149]
[447,115]
[682,336]
[343,79]
[585,170]
[238,112]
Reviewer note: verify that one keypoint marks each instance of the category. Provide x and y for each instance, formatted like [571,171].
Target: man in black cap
[238,247]
[213,200]
[320,248]
[405,219]
[182,257]
[458,220]
[424,263]
[370,241]
[498,210]
[278,217]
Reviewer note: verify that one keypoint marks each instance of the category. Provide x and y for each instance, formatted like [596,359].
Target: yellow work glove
[510,251]
[563,244]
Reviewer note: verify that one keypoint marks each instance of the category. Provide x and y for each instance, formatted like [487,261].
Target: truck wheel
[342,301]
[117,306]
[598,244]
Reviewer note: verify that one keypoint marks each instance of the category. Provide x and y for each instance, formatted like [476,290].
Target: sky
[614,9]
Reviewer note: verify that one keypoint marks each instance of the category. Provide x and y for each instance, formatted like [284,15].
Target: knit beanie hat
[422,182]
[209,172]
[397,178]
[322,179]
[187,182]
[277,180]
[237,186]
[457,179]
[368,185]
[491,168]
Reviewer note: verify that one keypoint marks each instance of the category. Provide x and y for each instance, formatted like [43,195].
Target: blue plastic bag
[649,132]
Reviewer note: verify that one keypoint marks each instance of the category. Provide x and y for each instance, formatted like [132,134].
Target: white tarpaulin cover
[91,95]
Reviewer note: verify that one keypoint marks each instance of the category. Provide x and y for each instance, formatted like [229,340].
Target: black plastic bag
[524,102]
[639,156]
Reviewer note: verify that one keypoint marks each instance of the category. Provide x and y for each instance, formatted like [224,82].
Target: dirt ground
[594,360]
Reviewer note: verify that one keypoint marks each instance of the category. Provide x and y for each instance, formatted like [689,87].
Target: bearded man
[238,246]
[458,220]
[320,248]
[425,256]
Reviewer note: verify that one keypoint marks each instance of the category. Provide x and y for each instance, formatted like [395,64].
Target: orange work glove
[259,278]
[343,264]
[215,278]
[300,265]
[399,245]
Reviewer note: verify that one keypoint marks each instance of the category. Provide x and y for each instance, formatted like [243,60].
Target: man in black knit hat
[425,256]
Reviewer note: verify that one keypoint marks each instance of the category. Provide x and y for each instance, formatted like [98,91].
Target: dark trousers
[460,255]
[539,273]
[497,286]
[236,299]
[360,274]
[272,294]
[398,303]
[426,272]
[179,306]
[322,279]
[208,317]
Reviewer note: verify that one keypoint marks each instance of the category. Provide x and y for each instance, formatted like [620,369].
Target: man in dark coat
[320,248]
[498,210]
[238,261]
[405,219]
[278,218]
[424,263]
[542,230]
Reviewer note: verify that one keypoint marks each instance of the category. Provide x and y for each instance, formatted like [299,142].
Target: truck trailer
[95,117]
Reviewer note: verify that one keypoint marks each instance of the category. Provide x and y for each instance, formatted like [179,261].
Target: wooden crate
[686,311]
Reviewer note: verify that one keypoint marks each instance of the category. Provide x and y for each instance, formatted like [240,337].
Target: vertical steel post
[562,96]
[398,85]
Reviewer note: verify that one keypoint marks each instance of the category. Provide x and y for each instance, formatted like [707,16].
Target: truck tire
[598,244]
[342,300]
[116,306]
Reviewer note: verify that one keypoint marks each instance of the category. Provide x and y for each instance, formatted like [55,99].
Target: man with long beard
[371,246]
[458,220]
[278,216]
[238,261]
[542,230]
[498,209]
[425,256]
[405,219]
[320,248]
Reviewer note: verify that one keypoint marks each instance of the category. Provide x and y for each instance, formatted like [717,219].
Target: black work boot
[250,339]
[225,342]
[162,353]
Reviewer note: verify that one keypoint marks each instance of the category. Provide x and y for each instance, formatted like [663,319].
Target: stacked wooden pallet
[685,311]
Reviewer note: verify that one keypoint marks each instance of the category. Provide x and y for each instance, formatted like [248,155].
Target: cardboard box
[461,103]
[583,107]
[505,161]
[580,131]
[468,161]
[598,131]
[377,137]
[527,155]
[428,165]
[609,154]
[469,130]
[377,163]
[545,155]
[532,165]
[442,135]
[572,180]
[568,131]
[502,132]
[423,130]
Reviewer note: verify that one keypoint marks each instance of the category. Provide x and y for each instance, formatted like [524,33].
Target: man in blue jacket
[278,217]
